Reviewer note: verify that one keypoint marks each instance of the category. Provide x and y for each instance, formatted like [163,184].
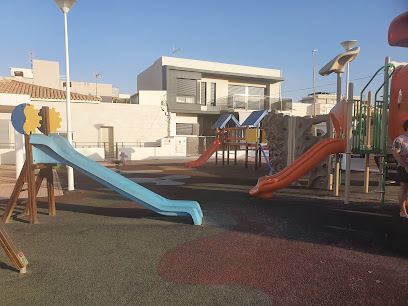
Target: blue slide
[56,149]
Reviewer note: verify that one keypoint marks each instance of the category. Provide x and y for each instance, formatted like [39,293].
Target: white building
[177,101]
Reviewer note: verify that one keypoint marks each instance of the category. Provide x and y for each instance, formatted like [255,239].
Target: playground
[302,247]
[292,230]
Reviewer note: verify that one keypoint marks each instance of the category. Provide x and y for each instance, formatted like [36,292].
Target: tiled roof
[40,92]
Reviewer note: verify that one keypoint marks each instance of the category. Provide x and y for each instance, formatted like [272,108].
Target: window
[213,93]
[256,91]
[184,129]
[236,90]
[203,93]
[186,91]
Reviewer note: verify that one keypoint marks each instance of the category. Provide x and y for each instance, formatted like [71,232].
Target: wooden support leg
[38,182]
[246,156]
[228,154]
[17,258]
[32,202]
[256,157]
[223,154]
[14,196]
[50,190]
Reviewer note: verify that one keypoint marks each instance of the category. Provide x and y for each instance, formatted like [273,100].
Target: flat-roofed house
[199,91]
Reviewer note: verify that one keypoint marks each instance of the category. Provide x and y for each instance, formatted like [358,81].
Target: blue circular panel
[18,118]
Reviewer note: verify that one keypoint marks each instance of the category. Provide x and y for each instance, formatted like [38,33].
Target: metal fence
[197,145]
[112,148]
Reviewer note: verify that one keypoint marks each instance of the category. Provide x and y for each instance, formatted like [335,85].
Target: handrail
[376,107]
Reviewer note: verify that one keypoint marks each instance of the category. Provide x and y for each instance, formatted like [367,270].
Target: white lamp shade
[348,44]
[65,5]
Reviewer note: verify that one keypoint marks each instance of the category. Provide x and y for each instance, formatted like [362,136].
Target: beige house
[47,74]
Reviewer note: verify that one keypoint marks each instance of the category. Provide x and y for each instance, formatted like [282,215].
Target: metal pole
[347,79]
[368,143]
[337,155]
[68,104]
[314,86]
[384,131]
[314,93]
[348,148]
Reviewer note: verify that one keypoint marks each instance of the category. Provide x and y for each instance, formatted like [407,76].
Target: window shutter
[184,129]
[186,87]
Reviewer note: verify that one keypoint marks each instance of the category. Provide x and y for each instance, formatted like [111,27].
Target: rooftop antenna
[176,51]
[97,75]
[31,54]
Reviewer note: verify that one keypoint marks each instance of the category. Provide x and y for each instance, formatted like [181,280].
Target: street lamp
[314,86]
[65,6]
[347,45]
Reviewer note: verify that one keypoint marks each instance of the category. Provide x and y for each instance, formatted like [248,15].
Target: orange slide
[268,184]
[206,155]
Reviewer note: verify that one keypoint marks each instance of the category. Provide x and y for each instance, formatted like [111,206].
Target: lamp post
[314,91]
[314,85]
[347,45]
[65,6]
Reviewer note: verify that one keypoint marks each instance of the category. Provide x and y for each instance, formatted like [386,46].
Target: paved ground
[8,180]
[303,247]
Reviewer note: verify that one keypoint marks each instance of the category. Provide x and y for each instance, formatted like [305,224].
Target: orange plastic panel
[398,31]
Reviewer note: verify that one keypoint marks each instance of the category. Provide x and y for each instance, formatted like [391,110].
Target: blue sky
[122,38]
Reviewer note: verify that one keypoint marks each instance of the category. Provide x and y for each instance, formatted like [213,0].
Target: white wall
[104,90]
[7,157]
[13,100]
[221,67]
[306,109]
[170,147]
[46,73]
[152,97]
[130,122]
[180,118]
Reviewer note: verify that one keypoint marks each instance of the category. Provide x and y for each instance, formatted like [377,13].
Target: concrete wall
[7,157]
[46,73]
[151,78]
[13,100]
[306,109]
[27,73]
[131,122]
[90,89]
[152,97]
[170,147]
[96,154]
[274,90]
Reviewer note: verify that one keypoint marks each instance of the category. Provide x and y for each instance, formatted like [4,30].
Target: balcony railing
[252,102]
